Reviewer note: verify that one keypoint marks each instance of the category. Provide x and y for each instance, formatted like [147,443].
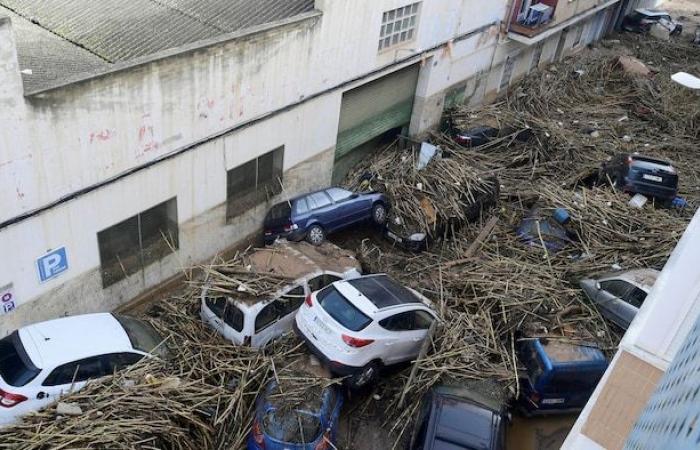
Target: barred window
[135,243]
[399,26]
[254,182]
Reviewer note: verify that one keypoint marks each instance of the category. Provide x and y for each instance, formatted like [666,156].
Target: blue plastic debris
[561,215]
[679,202]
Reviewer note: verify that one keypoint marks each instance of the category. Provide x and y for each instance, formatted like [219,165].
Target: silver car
[619,296]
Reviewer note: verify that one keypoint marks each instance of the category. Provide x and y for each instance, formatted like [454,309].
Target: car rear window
[279,212]
[291,427]
[143,336]
[384,291]
[340,309]
[224,310]
[16,368]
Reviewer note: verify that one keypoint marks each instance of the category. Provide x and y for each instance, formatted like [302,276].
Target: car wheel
[365,377]
[379,214]
[316,235]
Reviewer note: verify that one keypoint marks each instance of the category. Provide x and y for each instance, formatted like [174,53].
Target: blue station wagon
[560,377]
[315,215]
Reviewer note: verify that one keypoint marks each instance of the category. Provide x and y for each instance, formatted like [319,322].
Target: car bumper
[651,190]
[336,368]
[292,236]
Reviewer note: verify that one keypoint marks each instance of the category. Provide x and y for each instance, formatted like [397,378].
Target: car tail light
[325,442]
[290,227]
[8,400]
[356,342]
[247,341]
[258,435]
[308,301]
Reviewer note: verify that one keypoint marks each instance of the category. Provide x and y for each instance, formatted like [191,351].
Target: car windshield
[143,336]
[344,312]
[16,368]
[291,427]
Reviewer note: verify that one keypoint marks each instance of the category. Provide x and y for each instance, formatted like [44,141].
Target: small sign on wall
[52,264]
[8,301]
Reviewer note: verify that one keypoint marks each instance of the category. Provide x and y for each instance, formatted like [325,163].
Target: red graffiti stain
[102,136]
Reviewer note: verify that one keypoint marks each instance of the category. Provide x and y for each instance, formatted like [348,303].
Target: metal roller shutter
[375,108]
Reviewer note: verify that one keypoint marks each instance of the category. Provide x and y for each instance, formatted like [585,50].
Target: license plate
[394,237]
[326,329]
[552,401]
[653,178]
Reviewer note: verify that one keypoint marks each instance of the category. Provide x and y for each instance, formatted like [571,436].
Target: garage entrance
[373,114]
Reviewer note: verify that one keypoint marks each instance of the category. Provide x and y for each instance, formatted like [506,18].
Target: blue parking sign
[52,264]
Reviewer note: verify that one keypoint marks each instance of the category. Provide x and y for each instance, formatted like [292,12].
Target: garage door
[375,108]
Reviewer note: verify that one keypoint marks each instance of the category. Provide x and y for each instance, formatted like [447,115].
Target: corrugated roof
[113,31]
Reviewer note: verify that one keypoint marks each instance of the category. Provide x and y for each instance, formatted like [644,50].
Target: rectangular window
[137,242]
[254,182]
[399,26]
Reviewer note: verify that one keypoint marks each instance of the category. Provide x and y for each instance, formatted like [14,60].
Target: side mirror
[354,195]
[598,286]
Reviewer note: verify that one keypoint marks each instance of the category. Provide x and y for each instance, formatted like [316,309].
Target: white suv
[41,362]
[359,326]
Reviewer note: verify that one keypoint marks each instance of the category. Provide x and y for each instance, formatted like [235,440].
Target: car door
[323,210]
[290,302]
[610,301]
[347,210]
[71,377]
[406,332]
[632,301]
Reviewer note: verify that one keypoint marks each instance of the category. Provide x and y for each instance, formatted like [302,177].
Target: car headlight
[417,237]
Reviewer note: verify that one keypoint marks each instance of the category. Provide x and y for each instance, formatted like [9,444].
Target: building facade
[130,150]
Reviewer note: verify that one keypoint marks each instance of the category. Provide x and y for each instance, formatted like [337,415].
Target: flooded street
[539,433]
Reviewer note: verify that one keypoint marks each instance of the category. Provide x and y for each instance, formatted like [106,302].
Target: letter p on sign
[52,264]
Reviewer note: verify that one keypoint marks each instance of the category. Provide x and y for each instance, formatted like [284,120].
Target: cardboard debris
[633,66]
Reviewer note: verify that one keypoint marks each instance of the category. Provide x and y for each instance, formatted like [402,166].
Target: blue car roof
[559,354]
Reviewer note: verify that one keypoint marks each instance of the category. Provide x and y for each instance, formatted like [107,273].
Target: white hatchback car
[359,326]
[42,362]
[255,320]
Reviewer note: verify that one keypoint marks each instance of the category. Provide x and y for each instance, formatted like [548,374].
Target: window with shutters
[254,182]
[399,26]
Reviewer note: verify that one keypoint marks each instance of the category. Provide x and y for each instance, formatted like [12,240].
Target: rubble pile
[427,196]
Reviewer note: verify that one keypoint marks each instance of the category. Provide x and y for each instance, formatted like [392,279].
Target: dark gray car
[619,296]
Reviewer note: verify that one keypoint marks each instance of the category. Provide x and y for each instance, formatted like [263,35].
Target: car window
[226,311]
[143,336]
[618,288]
[338,195]
[292,300]
[636,297]
[321,281]
[340,309]
[118,361]
[279,211]
[300,206]
[83,370]
[318,200]
[407,321]
[16,368]
[268,315]
[531,360]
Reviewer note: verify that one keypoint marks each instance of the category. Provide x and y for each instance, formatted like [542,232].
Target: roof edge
[182,50]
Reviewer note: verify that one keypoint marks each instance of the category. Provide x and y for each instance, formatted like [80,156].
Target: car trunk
[279,218]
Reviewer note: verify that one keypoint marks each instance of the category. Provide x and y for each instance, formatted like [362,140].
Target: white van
[247,319]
